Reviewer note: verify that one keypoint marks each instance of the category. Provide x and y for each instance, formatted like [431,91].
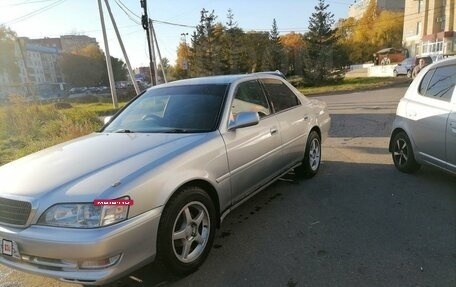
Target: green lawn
[354,84]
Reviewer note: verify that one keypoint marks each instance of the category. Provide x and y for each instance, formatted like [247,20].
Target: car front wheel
[186,230]
[402,153]
[312,157]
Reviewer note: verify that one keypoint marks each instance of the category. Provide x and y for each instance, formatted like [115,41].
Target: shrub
[27,127]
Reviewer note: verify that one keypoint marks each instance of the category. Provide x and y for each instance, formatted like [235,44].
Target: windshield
[179,109]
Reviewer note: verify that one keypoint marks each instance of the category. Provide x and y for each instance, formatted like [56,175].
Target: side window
[249,97]
[425,82]
[281,96]
[441,85]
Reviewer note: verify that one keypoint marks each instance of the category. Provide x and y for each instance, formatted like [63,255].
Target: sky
[52,18]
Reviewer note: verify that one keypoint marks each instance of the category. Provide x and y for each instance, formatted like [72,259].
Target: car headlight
[83,215]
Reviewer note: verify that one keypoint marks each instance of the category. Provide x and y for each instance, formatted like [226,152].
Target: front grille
[14,211]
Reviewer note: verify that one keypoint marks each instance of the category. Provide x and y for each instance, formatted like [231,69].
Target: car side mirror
[107,119]
[244,119]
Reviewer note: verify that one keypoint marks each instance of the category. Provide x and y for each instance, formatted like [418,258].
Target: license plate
[7,247]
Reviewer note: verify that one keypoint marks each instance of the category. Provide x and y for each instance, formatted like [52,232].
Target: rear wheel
[409,73]
[186,230]
[403,156]
[312,157]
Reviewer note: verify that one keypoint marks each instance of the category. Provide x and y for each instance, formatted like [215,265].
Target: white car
[424,131]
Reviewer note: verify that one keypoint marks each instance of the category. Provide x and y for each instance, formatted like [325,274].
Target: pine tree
[202,45]
[321,40]
[233,43]
[275,52]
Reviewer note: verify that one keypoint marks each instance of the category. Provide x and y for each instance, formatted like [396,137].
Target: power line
[126,13]
[26,2]
[33,13]
[126,7]
[173,24]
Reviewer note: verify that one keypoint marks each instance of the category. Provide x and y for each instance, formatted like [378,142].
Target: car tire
[186,231]
[409,73]
[402,153]
[312,157]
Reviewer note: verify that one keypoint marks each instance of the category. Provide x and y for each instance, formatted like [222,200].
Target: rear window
[281,96]
[439,83]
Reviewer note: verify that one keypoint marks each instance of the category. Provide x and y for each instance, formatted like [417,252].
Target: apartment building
[430,27]
[358,7]
[37,64]
[71,43]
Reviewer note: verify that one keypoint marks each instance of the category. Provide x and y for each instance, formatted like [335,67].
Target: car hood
[86,167]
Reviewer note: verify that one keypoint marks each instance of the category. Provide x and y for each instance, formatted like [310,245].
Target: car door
[253,152]
[294,120]
[428,114]
[451,137]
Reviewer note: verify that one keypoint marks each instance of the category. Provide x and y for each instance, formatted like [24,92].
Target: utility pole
[185,65]
[145,25]
[127,61]
[27,78]
[112,83]
[152,48]
[158,50]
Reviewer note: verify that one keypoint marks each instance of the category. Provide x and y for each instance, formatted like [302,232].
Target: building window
[420,6]
[418,28]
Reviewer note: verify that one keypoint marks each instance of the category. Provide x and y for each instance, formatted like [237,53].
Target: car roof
[223,79]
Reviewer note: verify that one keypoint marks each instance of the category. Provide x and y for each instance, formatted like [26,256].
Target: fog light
[100,263]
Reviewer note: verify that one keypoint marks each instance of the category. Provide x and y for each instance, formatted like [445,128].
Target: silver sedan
[157,180]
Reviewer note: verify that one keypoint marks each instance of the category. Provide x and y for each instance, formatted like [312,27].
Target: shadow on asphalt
[335,222]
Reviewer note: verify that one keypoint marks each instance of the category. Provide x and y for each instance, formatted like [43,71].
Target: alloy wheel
[314,154]
[401,152]
[191,232]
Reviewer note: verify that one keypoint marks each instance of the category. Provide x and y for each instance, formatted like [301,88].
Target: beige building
[72,43]
[430,27]
[357,8]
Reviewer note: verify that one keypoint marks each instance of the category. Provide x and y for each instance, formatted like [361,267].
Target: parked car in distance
[175,160]
[406,66]
[424,130]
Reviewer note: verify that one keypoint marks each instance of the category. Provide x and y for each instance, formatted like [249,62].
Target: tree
[374,31]
[254,46]
[164,66]
[363,38]
[182,67]
[87,67]
[84,67]
[202,52]
[8,65]
[294,47]
[274,52]
[119,69]
[388,29]
[321,40]
[234,37]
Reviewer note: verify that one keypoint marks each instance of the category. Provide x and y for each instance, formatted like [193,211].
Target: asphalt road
[359,222]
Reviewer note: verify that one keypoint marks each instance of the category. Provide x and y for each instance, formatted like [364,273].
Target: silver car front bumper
[85,256]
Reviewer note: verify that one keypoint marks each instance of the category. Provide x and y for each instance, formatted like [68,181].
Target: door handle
[273,131]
